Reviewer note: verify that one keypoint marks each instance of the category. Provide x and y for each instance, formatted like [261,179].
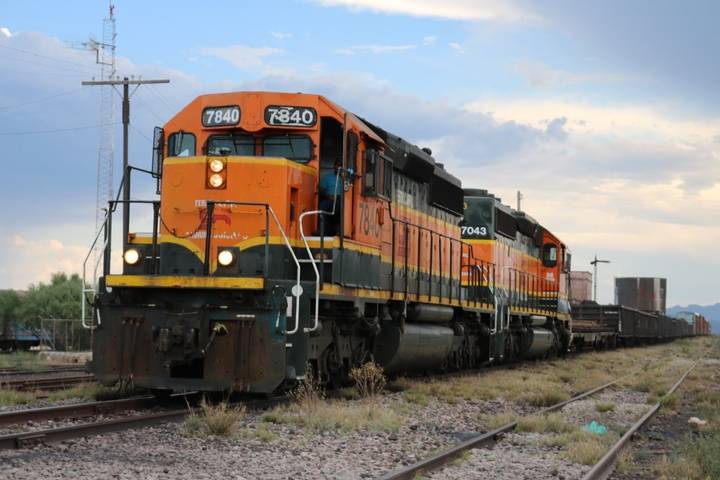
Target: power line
[56,130]
[162,98]
[147,107]
[39,100]
[35,54]
[56,71]
[139,132]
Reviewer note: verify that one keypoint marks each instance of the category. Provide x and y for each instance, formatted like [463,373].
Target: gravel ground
[524,456]
[164,452]
[517,457]
[295,453]
[41,403]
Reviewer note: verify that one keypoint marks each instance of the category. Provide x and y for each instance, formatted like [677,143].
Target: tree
[58,299]
[9,303]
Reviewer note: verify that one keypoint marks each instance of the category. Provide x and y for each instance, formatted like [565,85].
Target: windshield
[293,147]
[231,145]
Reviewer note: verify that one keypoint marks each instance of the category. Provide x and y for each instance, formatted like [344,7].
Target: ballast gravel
[164,452]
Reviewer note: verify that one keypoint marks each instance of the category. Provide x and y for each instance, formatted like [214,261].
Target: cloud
[243,56]
[468,10]
[28,261]
[540,75]
[5,32]
[430,39]
[459,49]
[375,49]
[281,35]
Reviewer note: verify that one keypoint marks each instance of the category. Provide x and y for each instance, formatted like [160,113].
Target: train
[292,237]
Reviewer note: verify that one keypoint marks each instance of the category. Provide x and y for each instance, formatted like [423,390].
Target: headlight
[216,165]
[216,180]
[131,256]
[225,258]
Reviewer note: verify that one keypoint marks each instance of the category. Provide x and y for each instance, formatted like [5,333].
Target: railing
[318,276]
[461,262]
[531,291]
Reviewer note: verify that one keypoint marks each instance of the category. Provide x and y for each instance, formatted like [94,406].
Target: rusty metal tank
[641,293]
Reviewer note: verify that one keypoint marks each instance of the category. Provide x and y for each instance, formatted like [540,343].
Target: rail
[605,466]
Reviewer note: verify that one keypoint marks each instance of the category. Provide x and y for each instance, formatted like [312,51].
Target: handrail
[316,322]
[85,290]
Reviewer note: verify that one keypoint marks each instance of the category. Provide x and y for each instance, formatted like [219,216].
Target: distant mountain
[711,312]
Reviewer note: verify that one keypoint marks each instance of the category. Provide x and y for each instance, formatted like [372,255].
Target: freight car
[292,234]
[611,325]
[14,337]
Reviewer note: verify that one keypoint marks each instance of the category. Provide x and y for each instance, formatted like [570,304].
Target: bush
[220,419]
[308,393]
[369,379]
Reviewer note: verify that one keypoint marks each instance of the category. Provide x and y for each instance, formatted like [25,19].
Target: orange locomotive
[292,234]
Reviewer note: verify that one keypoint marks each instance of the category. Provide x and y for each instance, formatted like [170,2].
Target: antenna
[105,57]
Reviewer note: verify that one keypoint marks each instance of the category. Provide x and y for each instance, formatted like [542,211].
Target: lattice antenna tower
[105,52]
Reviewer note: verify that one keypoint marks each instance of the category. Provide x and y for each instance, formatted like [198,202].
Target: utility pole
[125,82]
[594,264]
[519,199]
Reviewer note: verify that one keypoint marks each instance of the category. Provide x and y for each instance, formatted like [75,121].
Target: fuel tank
[418,347]
[429,313]
[541,342]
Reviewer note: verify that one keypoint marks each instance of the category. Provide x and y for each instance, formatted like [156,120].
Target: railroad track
[13,371]
[27,439]
[600,471]
[45,383]
[606,465]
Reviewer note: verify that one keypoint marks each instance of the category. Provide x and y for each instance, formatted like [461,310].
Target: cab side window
[549,255]
[377,179]
[181,144]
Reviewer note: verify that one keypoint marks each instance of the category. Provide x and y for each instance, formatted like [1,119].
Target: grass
[337,416]
[86,391]
[551,423]
[499,419]
[213,419]
[28,360]
[9,398]
[585,452]
[546,383]
[670,402]
[603,407]
[261,432]
[368,379]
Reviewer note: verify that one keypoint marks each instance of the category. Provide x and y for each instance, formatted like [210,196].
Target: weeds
[551,423]
[603,407]
[369,379]
[220,419]
[13,397]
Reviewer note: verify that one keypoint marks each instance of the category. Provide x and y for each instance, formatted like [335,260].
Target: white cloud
[459,49]
[639,122]
[30,260]
[243,56]
[540,75]
[281,35]
[375,49]
[497,10]
[5,32]
[430,39]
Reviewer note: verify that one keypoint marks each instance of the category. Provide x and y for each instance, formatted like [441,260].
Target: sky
[604,113]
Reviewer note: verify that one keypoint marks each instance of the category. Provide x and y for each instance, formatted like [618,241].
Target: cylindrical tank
[429,313]
[541,342]
[419,347]
[641,293]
